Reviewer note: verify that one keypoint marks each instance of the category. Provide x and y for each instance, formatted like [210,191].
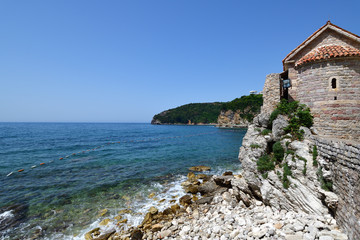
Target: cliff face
[231,119]
[337,168]
[304,191]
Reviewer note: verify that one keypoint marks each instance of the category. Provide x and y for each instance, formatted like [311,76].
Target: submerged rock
[200,168]
[12,216]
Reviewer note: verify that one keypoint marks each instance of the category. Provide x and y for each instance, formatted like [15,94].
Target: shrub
[304,170]
[255,146]
[265,132]
[278,151]
[285,179]
[285,107]
[289,151]
[265,163]
[315,154]
[298,114]
[326,185]
[273,116]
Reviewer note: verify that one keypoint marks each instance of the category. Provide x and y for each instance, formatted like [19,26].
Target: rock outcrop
[304,192]
[231,119]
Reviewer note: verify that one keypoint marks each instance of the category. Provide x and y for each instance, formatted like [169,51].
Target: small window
[335,98]
[333,83]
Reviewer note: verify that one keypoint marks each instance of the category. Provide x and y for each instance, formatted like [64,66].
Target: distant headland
[236,113]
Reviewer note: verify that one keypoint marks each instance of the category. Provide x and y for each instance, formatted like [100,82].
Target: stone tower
[324,72]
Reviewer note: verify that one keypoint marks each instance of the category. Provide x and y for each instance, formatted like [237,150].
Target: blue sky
[124,61]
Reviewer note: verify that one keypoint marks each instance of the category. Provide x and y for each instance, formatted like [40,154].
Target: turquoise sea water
[103,165]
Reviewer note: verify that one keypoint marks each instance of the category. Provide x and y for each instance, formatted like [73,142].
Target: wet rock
[228,173]
[102,212]
[153,210]
[104,222]
[185,200]
[90,235]
[192,189]
[167,211]
[200,168]
[12,215]
[136,234]
[175,208]
[123,221]
[191,176]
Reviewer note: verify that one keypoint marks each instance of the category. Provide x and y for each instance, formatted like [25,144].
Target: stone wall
[343,159]
[336,110]
[271,93]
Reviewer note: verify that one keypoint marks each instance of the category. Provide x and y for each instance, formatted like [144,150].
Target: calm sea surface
[74,170]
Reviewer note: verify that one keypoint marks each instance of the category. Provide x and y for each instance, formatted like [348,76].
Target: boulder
[204,200]
[262,120]
[208,188]
[156,227]
[104,222]
[223,181]
[185,200]
[200,168]
[153,210]
[278,127]
[136,235]
[191,176]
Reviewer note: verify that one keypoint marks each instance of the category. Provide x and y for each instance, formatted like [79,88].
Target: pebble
[224,218]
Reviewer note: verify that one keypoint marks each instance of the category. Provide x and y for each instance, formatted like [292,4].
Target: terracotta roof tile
[327,52]
[327,25]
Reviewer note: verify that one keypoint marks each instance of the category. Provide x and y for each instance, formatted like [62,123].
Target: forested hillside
[190,113]
[206,113]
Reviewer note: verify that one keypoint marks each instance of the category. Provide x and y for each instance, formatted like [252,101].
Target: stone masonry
[271,92]
[329,81]
[336,111]
[343,161]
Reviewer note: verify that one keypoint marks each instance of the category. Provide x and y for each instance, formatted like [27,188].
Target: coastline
[222,208]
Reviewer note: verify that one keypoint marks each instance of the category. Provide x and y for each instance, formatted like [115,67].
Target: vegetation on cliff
[194,112]
[206,113]
[299,115]
[248,106]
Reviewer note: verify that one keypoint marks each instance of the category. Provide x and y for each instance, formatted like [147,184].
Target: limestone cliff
[240,111]
[337,163]
[231,119]
[304,192]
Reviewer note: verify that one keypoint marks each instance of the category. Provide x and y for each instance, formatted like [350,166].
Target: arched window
[333,83]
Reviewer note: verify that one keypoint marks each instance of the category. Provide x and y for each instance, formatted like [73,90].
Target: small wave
[6,216]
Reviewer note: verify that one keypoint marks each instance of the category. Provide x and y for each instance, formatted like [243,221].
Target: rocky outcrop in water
[231,119]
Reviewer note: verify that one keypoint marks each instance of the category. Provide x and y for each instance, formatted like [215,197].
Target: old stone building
[324,73]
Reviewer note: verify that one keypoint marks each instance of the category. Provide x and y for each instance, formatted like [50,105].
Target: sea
[59,180]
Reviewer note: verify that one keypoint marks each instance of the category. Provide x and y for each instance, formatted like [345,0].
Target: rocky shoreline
[223,207]
[283,192]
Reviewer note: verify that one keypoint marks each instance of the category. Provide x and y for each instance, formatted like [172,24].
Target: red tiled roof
[327,52]
[309,39]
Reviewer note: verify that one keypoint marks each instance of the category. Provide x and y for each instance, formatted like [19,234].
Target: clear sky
[126,60]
